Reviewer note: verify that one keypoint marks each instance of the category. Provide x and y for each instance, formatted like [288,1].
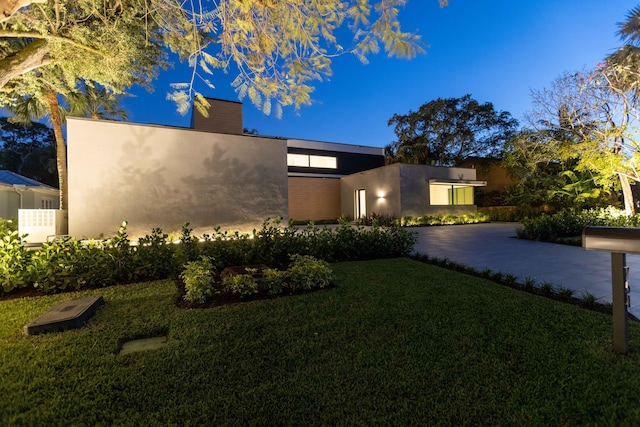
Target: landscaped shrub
[15,260]
[55,265]
[188,249]
[154,256]
[227,248]
[421,221]
[198,280]
[7,225]
[240,284]
[307,272]
[514,213]
[569,223]
[71,264]
[272,244]
[379,219]
[121,255]
[273,280]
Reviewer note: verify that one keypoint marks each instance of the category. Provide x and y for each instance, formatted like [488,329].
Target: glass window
[306,161]
[450,195]
[438,195]
[300,160]
[323,162]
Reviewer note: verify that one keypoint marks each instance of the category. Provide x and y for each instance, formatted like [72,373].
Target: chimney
[224,117]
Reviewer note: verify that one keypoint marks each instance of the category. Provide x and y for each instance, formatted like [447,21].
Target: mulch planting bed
[219,298]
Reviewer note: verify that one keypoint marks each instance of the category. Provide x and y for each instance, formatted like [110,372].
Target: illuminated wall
[403,190]
[155,176]
[382,190]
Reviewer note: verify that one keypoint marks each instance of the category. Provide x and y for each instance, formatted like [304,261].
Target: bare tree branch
[33,56]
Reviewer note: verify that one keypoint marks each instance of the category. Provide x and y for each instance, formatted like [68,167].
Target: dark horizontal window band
[348,163]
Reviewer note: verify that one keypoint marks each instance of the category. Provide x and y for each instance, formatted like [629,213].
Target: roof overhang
[22,188]
[313,175]
[458,182]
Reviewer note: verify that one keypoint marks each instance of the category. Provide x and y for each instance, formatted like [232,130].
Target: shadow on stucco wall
[160,178]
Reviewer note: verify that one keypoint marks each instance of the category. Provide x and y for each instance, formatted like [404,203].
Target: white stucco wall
[155,176]
[382,186]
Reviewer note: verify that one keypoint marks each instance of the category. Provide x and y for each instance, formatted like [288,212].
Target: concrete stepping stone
[143,344]
[71,314]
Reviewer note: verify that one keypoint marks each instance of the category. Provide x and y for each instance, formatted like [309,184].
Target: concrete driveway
[495,246]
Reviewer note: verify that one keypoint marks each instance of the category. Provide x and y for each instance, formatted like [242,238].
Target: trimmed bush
[274,281]
[240,284]
[427,220]
[70,264]
[307,272]
[514,213]
[15,261]
[198,280]
[569,223]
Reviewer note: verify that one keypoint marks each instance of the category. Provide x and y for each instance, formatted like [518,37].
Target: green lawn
[397,342]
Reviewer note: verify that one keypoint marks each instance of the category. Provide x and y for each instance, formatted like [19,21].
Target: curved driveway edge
[495,246]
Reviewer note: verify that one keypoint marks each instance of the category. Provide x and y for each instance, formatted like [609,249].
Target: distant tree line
[29,150]
[578,147]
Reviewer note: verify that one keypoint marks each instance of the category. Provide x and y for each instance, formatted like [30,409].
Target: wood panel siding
[314,198]
[224,117]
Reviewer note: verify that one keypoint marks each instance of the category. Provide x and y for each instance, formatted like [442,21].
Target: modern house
[19,192]
[213,174]
[401,190]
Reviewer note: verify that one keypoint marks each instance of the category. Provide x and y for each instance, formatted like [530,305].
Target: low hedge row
[514,213]
[569,223]
[420,221]
[72,264]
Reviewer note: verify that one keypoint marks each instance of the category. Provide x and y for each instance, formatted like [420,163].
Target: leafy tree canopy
[53,50]
[583,124]
[447,131]
[278,48]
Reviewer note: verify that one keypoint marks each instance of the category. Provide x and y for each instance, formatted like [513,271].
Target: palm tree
[89,101]
[96,102]
[33,108]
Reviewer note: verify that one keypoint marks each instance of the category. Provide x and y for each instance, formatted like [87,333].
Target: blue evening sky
[495,50]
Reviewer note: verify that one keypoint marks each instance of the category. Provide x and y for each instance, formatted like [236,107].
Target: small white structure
[41,225]
[19,192]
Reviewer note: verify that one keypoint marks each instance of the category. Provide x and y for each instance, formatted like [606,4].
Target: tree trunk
[61,149]
[32,56]
[627,195]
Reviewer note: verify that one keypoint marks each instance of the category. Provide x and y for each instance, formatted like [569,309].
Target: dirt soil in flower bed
[219,298]
[22,293]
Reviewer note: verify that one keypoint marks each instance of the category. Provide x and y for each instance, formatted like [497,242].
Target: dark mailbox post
[619,241]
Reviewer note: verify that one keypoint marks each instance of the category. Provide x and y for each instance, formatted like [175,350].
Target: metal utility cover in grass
[66,315]
[143,344]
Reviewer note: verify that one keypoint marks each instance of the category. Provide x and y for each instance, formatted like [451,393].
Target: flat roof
[334,146]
